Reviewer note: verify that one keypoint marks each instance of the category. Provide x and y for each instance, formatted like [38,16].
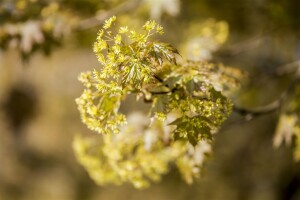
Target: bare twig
[249,114]
[244,46]
[293,67]
[96,20]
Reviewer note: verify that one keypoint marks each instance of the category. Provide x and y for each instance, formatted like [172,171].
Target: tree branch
[249,114]
[293,67]
[96,20]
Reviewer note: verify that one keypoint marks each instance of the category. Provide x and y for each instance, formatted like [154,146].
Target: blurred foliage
[289,122]
[33,25]
[204,38]
[138,154]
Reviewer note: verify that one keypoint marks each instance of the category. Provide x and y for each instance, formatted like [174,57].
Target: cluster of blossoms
[188,107]
[139,154]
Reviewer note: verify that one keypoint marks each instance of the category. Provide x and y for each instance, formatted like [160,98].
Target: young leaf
[162,51]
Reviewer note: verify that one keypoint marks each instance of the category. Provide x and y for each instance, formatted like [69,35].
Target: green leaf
[205,132]
[161,104]
[216,94]
[192,86]
[192,139]
[162,50]
[176,121]
[172,81]
[109,103]
[197,128]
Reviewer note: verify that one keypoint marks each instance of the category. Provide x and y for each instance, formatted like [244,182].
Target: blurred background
[45,44]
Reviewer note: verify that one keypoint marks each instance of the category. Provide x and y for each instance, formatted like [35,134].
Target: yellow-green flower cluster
[99,104]
[129,61]
[200,102]
[188,106]
[138,158]
[127,55]
[203,39]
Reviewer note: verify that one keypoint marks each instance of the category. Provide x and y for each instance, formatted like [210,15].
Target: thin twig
[249,114]
[243,46]
[96,20]
[293,67]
